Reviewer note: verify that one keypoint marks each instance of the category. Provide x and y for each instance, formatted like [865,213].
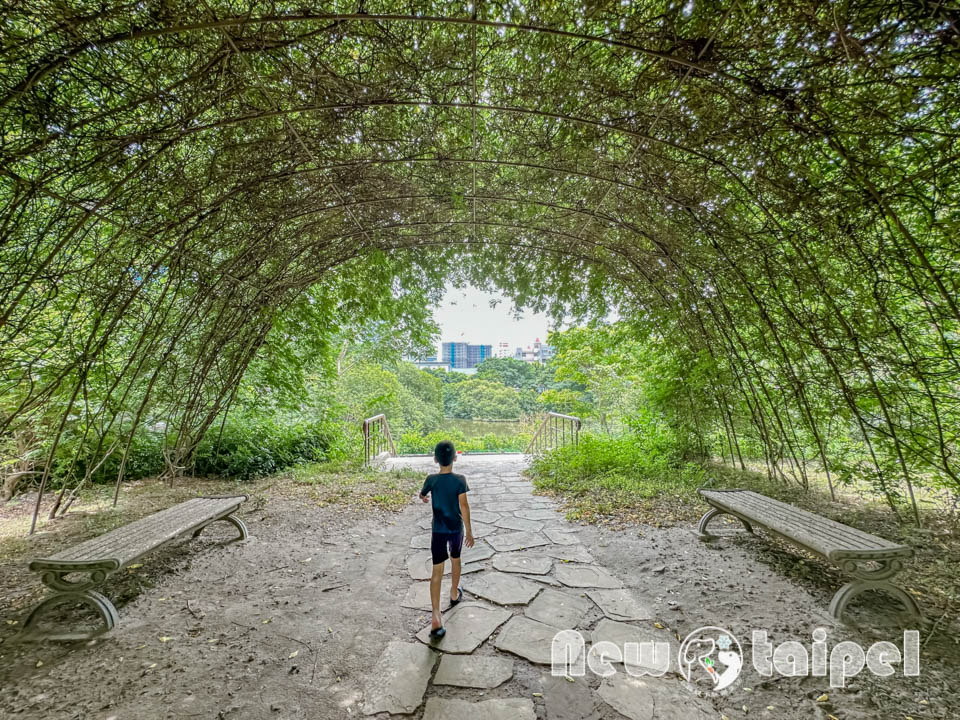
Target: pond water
[479,428]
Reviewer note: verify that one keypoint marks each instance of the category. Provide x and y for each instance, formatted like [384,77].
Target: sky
[466,316]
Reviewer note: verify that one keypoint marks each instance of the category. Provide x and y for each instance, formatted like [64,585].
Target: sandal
[459,597]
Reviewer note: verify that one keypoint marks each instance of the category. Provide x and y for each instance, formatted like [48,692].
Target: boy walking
[451,516]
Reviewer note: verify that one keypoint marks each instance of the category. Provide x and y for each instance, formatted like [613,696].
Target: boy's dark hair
[444,452]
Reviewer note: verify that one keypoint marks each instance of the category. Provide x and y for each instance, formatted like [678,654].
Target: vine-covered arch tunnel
[771,187]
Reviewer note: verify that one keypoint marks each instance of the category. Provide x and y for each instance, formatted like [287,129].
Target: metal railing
[555,431]
[376,438]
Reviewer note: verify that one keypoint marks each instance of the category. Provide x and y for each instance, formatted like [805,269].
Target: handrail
[377,438]
[554,432]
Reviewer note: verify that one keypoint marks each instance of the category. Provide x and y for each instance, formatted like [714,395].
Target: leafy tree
[566,401]
[512,373]
[605,361]
[483,400]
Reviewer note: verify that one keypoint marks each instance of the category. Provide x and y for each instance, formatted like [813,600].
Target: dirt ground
[283,625]
[736,584]
[289,623]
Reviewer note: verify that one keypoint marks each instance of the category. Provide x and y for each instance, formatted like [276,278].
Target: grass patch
[358,487]
[604,483]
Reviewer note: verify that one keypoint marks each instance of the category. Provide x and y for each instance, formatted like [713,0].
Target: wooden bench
[73,573]
[870,560]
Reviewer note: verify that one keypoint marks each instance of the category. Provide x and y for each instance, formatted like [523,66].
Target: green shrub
[413,442]
[623,463]
[256,446]
[249,446]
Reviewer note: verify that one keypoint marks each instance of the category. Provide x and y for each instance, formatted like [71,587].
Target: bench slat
[812,526]
[127,543]
[829,529]
[145,531]
[831,539]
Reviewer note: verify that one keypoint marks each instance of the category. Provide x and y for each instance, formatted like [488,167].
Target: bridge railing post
[555,430]
[376,438]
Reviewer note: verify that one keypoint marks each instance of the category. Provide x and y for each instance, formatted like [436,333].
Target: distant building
[431,364]
[503,350]
[538,352]
[461,355]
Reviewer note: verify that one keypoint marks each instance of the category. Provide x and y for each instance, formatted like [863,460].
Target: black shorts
[444,545]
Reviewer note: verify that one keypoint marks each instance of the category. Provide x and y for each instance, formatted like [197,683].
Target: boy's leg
[438,549]
[454,578]
[456,544]
[436,578]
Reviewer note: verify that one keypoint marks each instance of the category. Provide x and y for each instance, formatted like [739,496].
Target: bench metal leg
[710,515]
[233,520]
[877,579]
[94,600]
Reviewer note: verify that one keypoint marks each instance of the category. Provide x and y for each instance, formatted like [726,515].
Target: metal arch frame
[568,251]
[423,241]
[480,198]
[609,220]
[365,231]
[66,56]
[283,112]
[461,161]
[623,166]
[62,58]
[490,107]
[95,212]
[219,201]
[487,223]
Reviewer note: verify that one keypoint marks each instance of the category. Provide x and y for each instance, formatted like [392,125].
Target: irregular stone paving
[501,588]
[646,698]
[418,596]
[467,625]
[527,638]
[620,633]
[516,541]
[473,671]
[620,605]
[527,579]
[510,709]
[522,563]
[561,538]
[587,576]
[512,523]
[420,567]
[559,609]
[400,678]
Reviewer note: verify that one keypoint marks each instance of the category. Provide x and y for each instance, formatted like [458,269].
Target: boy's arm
[465,512]
[425,490]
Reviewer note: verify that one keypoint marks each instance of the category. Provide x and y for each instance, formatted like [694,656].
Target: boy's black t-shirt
[445,490]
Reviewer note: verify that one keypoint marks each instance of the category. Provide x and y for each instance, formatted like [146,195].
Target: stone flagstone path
[529,577]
